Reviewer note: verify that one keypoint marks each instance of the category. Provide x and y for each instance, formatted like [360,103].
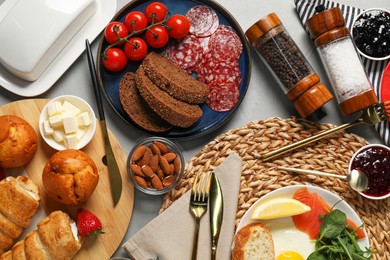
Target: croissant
[19,201]
[55,238]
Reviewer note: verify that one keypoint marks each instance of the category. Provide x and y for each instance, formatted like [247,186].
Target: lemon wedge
[279,208]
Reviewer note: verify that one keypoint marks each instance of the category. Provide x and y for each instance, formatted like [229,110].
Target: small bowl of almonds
[155,165]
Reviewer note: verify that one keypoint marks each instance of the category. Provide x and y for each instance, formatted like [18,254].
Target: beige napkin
[170,235]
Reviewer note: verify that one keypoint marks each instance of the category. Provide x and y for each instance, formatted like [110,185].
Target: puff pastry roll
[55,238]
[20,198]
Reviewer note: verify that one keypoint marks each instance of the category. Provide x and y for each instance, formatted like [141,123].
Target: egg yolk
[289,255]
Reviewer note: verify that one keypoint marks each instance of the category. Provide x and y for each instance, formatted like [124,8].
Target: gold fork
[370,116]
[198,204]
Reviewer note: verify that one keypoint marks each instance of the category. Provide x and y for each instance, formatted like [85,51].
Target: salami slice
[185,53]
[223,96]
[225,43]
[204,20]
[211,69]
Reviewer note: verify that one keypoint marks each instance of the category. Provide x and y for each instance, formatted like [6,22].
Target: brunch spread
[315,231]
[170,69]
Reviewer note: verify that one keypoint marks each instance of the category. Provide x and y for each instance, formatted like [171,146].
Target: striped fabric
[374,69]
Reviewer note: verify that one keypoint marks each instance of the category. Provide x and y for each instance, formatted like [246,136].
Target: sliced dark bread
[174,111]
[137,109]
[174,80]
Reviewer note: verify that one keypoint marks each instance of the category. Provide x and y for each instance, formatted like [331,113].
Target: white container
[88,131]
[33,33]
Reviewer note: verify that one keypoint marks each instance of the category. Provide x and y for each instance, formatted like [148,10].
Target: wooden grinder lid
[262,26]
[325,21]
[312,100]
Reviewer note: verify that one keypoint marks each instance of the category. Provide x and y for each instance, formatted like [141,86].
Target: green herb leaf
[333,224]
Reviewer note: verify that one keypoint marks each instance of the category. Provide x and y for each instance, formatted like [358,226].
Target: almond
[138,153]
[155,149]
[147,171]
[146,158]
[177,166]
[164,165]
[160,174]
[167,181]
[153,163]
[169,156]
[137,170]
[140,181]
[163,148]
[156,182]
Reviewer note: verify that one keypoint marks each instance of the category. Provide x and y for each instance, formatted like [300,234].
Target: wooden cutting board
[115,220]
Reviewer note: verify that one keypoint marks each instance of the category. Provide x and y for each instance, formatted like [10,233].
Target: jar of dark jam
[288,65]
[374,161]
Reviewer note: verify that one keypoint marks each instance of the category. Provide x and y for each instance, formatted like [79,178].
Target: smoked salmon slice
[310,222]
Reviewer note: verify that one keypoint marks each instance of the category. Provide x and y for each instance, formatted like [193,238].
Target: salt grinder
[288,65]
[334,44]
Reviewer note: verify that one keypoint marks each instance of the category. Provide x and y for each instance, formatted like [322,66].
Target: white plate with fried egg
[286,237]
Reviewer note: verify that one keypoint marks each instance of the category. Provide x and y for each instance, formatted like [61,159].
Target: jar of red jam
[374,161]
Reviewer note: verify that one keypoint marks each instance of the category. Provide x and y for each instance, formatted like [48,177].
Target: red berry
[88,224]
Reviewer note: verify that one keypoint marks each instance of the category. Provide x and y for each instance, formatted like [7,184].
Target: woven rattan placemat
[259,178]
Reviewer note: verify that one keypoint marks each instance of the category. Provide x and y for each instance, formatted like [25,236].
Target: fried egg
[290,243]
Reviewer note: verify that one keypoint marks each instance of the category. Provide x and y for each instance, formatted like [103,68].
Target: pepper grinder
[341,61]
[288,65]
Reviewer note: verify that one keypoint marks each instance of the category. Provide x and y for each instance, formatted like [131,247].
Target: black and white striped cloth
[374,69]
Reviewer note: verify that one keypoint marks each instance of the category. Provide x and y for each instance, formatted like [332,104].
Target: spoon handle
[302,171]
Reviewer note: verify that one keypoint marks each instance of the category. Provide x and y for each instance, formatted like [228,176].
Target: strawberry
[88,224]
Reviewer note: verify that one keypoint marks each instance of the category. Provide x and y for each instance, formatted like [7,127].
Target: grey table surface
[264,98]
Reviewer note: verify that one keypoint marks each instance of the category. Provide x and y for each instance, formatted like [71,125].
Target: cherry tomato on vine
[115,59]
[138,18]
[114,29]
[179,26]
[157,36]
[157,10]
[136,49]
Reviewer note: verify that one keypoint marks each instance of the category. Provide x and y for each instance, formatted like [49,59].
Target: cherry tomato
[157,36]
[115,59]
[178,26]
[114,29]
[136,49]
[139,20]
[156,12]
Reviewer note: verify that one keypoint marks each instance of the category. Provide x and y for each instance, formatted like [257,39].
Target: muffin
[70,177]
[18,141]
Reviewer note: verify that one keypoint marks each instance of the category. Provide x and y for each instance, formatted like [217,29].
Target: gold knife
[113,169]
[216,213]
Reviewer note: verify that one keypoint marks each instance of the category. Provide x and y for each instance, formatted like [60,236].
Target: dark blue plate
[211,120]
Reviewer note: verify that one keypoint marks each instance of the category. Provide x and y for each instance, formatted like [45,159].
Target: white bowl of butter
[67,122]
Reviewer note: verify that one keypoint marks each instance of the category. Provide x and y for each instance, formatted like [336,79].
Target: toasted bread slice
[174,80]
[253,242]
[137,109]
[172,110]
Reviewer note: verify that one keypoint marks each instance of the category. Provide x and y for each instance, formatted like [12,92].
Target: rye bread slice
[174,80]
[174,111]
[137,109]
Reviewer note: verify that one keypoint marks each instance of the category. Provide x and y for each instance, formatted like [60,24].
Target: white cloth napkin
[170,235]
[374,69]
